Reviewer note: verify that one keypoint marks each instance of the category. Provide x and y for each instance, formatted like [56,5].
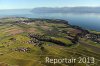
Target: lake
[89,21]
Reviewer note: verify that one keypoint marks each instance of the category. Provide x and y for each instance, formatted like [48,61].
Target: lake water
[87,21]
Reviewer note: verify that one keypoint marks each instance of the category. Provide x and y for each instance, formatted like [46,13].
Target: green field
[26,42]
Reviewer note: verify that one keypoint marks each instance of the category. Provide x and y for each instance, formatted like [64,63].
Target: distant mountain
[67,10]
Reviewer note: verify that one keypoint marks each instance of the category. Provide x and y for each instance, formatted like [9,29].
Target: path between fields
[95,49]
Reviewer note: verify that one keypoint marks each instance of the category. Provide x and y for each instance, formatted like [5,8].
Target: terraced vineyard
[27,42]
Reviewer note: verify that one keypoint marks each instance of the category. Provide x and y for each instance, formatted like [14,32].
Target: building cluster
[93,37]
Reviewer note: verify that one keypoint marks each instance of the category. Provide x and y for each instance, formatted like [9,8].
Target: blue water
[87,20]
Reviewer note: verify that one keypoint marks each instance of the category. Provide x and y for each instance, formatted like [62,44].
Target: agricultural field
[27,42]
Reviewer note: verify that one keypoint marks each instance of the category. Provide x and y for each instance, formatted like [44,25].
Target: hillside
[27,41]
[67,10]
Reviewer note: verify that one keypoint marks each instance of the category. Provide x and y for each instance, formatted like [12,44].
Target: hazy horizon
[29,4]
[53,7]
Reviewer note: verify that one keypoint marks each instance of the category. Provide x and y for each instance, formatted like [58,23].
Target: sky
[26,4]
